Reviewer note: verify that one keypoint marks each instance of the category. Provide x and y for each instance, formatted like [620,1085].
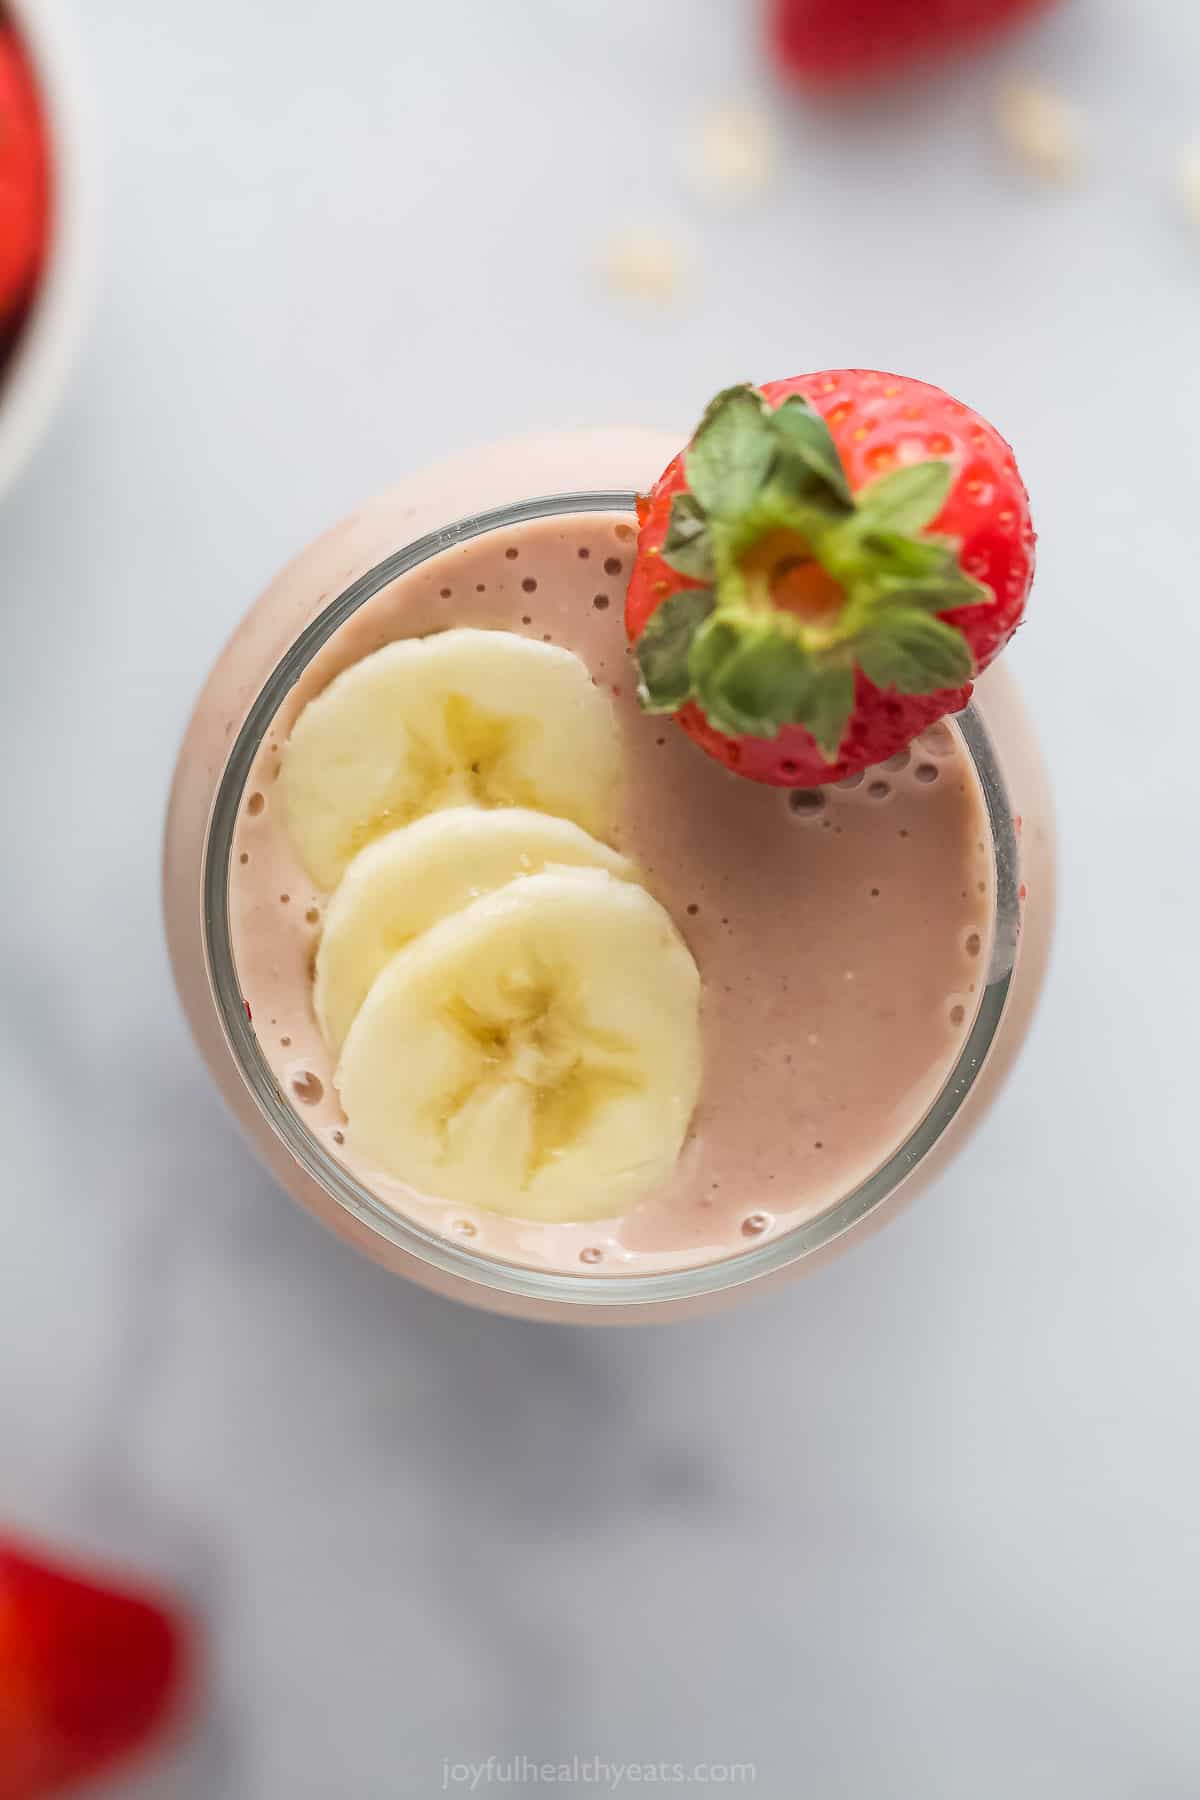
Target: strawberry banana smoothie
[588,907]
[840,933]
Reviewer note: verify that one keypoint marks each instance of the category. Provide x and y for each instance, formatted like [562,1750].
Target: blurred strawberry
[828,43]
[89,1674]
[24,177]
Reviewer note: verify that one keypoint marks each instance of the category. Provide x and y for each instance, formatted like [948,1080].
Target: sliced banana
[537,1053]
[400,886]
[466,717]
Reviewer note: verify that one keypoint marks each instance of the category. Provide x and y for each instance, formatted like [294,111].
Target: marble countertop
[921,1526]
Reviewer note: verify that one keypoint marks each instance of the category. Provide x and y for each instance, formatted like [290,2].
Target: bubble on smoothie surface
[255,804]
[806,803]
[926,772]
[593,1254]
[600,602]
[879,790]
[974,943]
[937,740]
[755,1223]
[958,1013]
[308,1088]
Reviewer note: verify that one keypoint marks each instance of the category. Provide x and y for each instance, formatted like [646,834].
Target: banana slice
[537,1053]
[466,717]
[400,886]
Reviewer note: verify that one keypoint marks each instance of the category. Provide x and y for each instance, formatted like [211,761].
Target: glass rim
[474,1266]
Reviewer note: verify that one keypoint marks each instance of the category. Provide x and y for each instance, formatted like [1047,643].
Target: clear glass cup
[587,472]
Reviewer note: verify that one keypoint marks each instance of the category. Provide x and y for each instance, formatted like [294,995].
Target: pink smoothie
[842,936]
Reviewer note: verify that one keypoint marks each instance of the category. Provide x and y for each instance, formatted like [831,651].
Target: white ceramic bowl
[36,372]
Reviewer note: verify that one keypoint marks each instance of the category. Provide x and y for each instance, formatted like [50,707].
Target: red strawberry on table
[826,43]
[88,1674]
[823,571]
[24,177]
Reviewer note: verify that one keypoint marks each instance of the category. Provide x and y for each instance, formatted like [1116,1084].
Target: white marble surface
[923,1526]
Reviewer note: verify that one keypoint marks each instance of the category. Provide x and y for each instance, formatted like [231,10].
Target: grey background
[923,1525]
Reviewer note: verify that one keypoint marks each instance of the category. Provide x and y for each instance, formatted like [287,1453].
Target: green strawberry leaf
[710,653]
[908,499]
[687,546]
[664,647]
[728,460]
[944,591]
[748,675]
[828,707]
[916,654]
[922,571]
[895,553]
[752,674]
[925,572]
[808,447]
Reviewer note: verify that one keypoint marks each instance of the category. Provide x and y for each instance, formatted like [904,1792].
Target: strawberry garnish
[89,1674]
[831,42]
[24,178]
[824,570]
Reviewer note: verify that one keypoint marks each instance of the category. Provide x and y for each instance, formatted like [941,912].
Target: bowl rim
[45,350]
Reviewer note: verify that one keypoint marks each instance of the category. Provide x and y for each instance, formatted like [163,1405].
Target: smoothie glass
[310,600]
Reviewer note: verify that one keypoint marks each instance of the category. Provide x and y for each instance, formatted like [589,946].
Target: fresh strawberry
[824,569]
[24,177]
[826,43]
[88,1674]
